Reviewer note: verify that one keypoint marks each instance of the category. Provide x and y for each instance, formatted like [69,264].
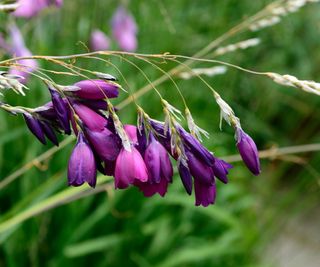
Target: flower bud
[96,89]
[35,127]
[248,151]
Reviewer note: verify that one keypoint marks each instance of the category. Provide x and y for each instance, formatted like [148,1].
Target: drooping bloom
[61,109]
[124,29]
[159,169]
[105,143]
[200,170]
[30,8]
[205,195]
[221,169]
[95,89]
[82,165]
[35,127]
[49,132]
[99,41]
[129,168]
[248,151]
[18,49]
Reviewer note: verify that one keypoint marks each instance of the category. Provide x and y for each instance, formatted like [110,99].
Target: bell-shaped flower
[105,143]
[149,189]
[99,41]
[157,161]
[129,168]
[205,195]
[62,110]
[34,126]
[124,29]
[95,89]
[82,165]
[200,170]
[248,151]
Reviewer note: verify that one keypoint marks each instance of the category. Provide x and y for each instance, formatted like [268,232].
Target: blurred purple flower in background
[30,8]
[124,29]
[18,49]
[99,41]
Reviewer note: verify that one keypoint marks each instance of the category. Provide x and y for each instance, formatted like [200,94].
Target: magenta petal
[90,118]
[149,189]
[131,131]
[129,167]
[96,89]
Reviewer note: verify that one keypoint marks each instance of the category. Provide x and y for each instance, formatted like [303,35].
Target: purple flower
[82,165]
[131,131]
[159,169]
[124,29]
[105,143]
[90,118]
[18,49]
[196,147]
[62,110]
[148,189]
[205,195]
[157,161]
[96,89]
[199,170]
[248,151]
[186,177]
[30,8]
[220,169]
[99,41]
[129,168]
[49,132]
[58,3]
[35,127]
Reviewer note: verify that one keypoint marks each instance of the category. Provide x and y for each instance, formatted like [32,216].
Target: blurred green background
[122,228]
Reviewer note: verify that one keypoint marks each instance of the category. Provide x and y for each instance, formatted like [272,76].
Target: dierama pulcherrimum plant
[141,155]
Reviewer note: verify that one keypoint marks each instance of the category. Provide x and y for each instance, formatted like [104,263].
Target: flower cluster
[135,155]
